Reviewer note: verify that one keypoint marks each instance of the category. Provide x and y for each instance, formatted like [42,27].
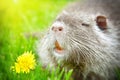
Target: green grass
[25,16]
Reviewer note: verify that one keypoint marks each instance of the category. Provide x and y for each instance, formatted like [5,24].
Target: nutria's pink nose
[57,29]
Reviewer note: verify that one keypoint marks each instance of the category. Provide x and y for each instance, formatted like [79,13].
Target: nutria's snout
[57,29]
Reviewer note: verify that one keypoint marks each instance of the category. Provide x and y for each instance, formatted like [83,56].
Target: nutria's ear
[101,22]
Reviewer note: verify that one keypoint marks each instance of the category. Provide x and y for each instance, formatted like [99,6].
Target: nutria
[85,37]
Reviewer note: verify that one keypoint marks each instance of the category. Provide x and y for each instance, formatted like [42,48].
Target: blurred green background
[18,17]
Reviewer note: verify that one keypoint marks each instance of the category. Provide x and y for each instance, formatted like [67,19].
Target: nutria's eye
[84,24]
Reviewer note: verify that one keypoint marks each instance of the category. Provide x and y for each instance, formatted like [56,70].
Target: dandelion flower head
[24,63]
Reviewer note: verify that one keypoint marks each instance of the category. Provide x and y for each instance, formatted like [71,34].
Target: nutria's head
[79,37]
[81,40]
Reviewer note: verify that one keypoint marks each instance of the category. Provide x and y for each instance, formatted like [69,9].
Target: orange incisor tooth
[57,45]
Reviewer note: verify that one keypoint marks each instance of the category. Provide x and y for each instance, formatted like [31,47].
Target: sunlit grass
[31,13]
[18,17]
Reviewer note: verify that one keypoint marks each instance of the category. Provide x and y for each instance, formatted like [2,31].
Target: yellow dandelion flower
[24,63]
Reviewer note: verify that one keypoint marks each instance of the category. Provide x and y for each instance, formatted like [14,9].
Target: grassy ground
[25,16]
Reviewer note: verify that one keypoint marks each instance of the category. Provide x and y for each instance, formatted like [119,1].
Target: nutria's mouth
[58,48]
